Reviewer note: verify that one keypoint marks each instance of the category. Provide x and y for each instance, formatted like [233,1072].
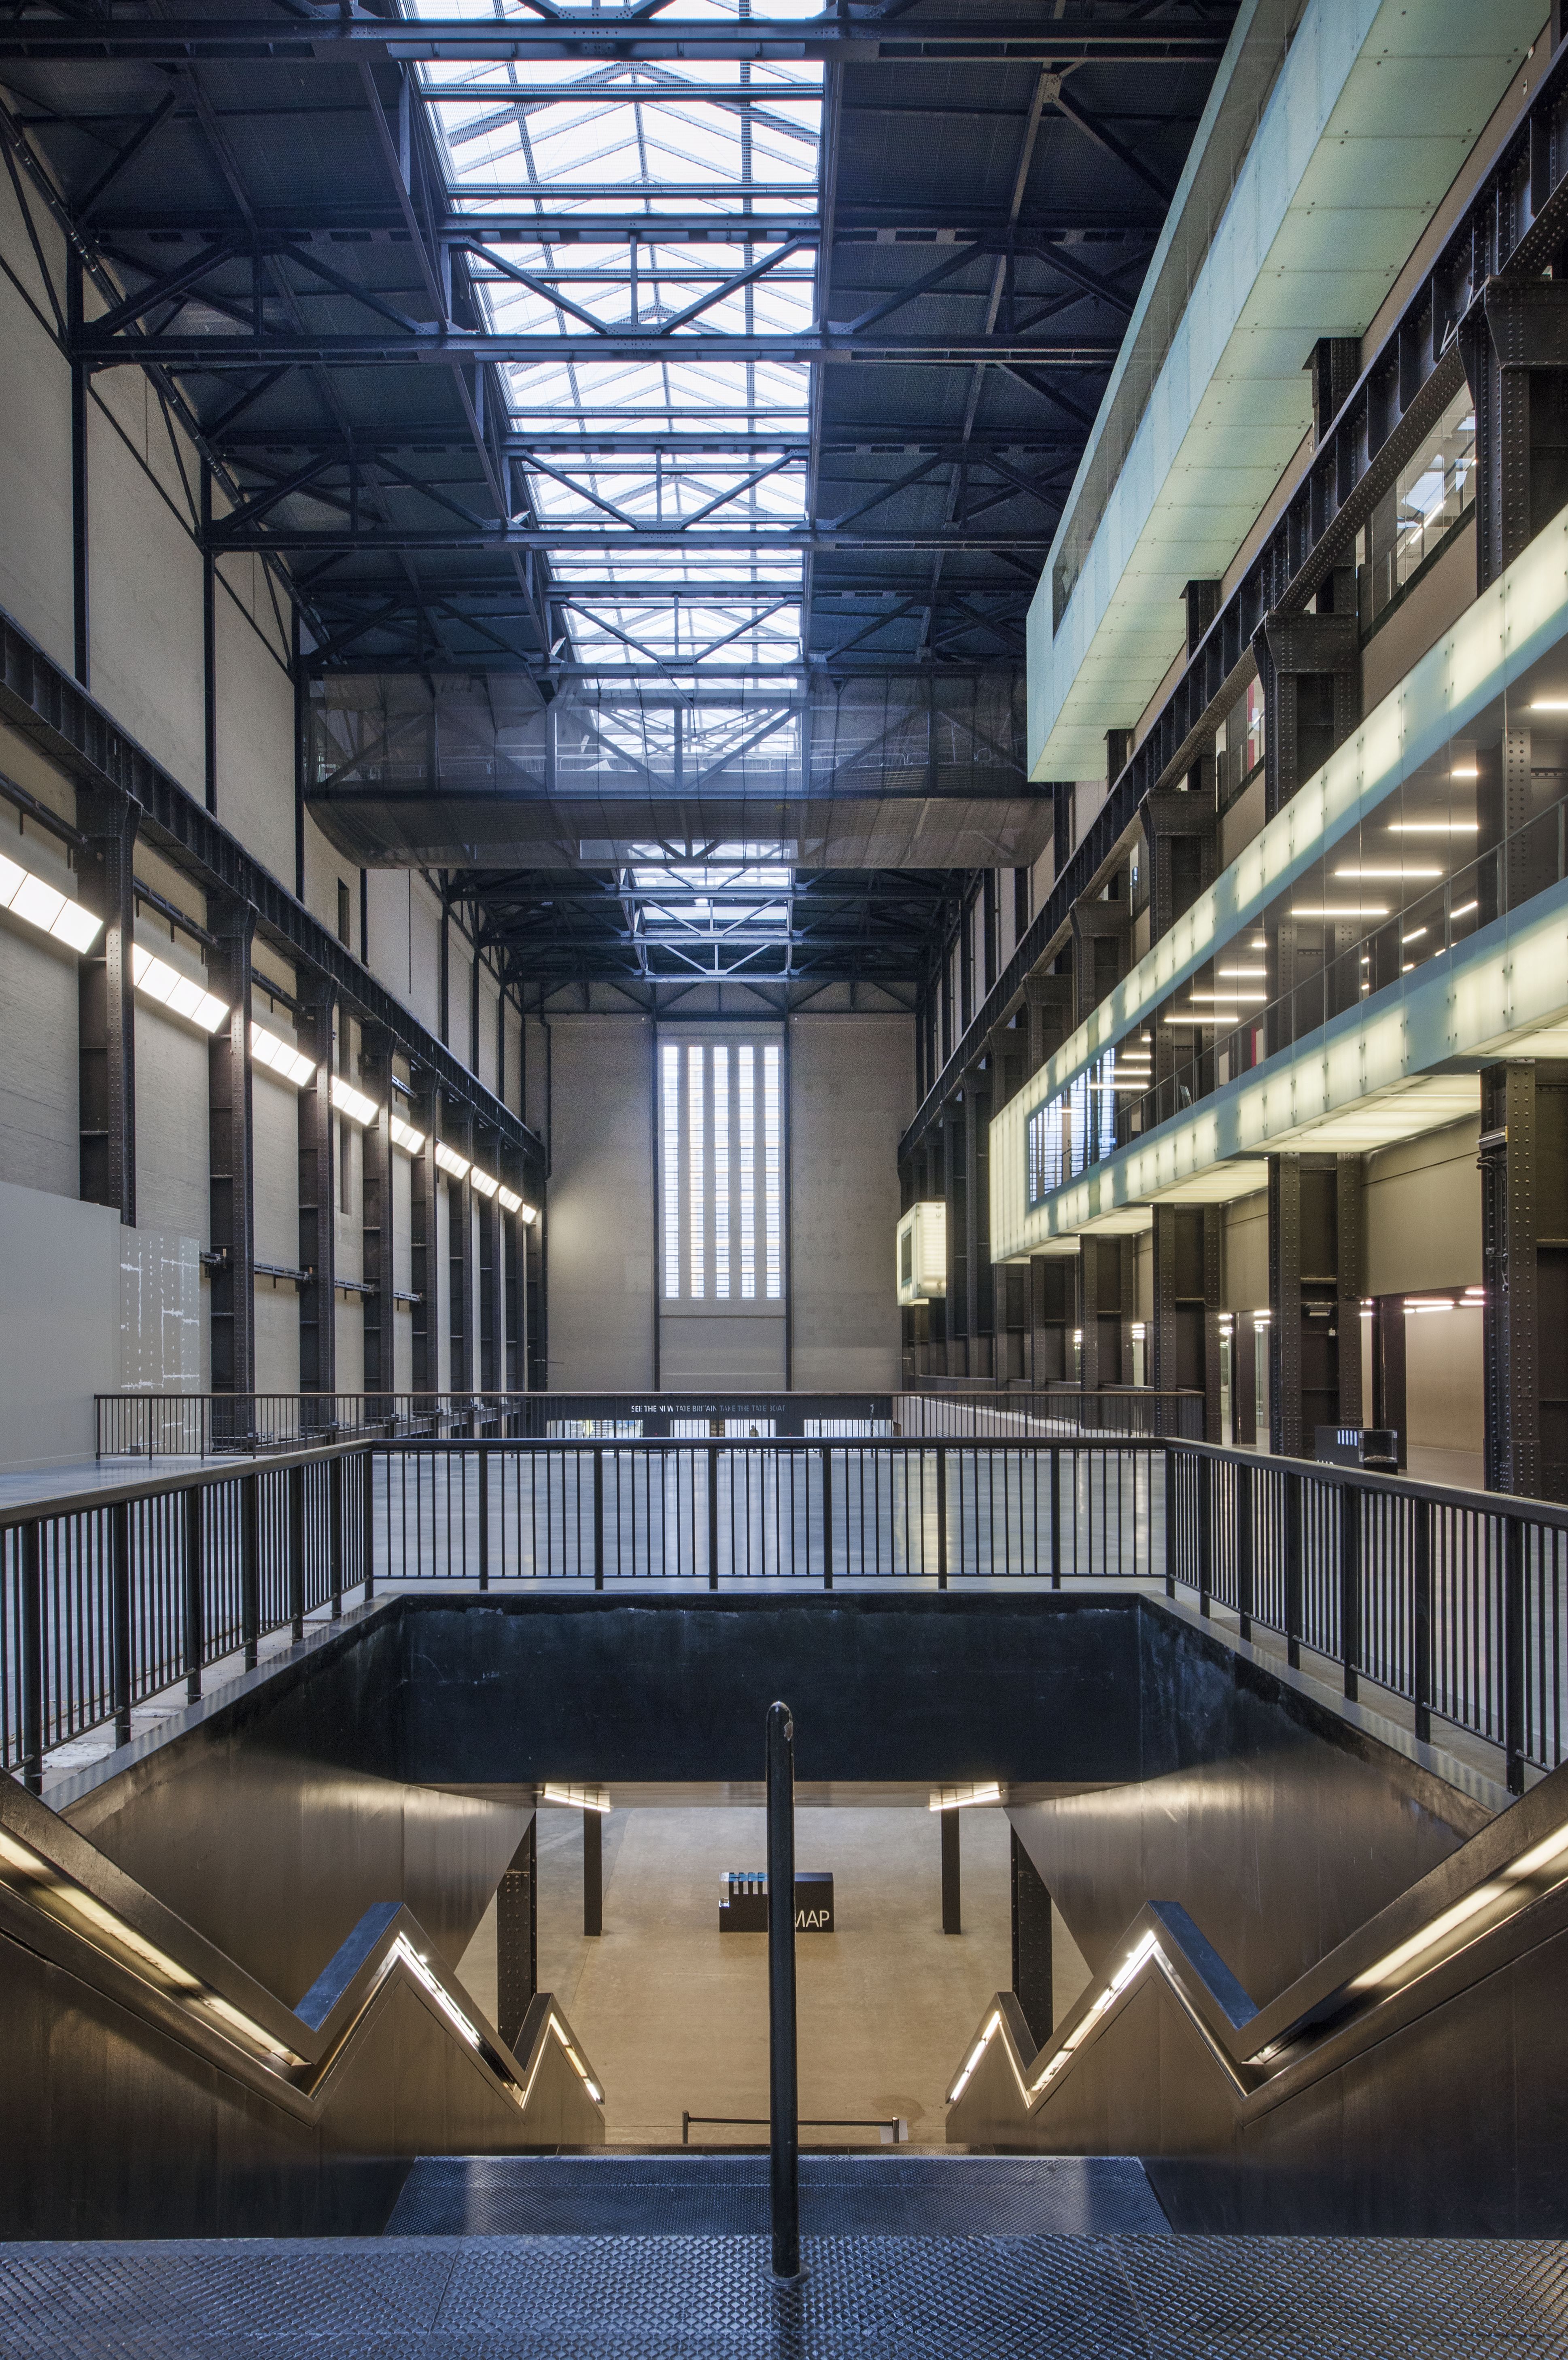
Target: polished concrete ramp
[726,2196]
[677,2298]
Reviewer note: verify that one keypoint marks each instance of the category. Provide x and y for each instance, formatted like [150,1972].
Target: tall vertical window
[669,1074]
[722,1170]
[722,1173]
[696,1190]
[773,1176]
[746,1058]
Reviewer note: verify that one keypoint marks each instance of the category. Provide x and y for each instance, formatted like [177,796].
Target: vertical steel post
[482,1458]
[1422,1668]
[593,1873]
[1055,1518]
[297,1552]
[827,1518]
[1244,1569]
[367,1514]
[1205,1536]
[33,1656]
[120,1616]
[1293,1586]
[1350,1586]
[784,2125]
[1513,1652]
[951,1881]
[195,1593]
[599,1520]
[1170,1521]
[940,1518]
[250,1566]
[335,1532]
[713,1515]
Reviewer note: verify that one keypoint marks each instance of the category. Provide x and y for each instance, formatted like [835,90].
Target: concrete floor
[673,2015]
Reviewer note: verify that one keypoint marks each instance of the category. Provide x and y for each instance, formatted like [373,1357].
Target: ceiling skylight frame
[624,141]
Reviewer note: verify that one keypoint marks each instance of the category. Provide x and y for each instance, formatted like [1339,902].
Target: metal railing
[118,1594]
[1454,1600]
[208,1426]
[1055,1413]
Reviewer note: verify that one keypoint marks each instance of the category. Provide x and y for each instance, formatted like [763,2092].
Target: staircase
[665,2257]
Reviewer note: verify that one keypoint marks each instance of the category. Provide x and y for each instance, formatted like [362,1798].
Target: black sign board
[743,1901]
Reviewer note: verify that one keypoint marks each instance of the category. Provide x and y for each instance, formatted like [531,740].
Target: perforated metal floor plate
[667,2298]
[715,2196]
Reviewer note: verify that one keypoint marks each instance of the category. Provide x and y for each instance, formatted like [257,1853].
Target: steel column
[516,1939]
[1033,1986]
[317,1195]
[106,1026]
[232,1311]
[783,2108]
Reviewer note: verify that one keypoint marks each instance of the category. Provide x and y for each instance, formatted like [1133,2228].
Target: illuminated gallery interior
[783,1109]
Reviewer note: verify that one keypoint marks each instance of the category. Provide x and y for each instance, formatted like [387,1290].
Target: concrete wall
[145,585]
[601,1204]
[851,1097]
[60,1314]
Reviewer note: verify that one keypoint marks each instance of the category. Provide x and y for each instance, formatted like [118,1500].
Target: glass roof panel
[617,146]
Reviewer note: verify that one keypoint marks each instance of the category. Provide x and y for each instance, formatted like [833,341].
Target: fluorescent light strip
[508,1200]
[576,1798]
[160,983]
[1334,910]
[451,1162]
[1437,827]
[278,1057]
[353,1102]
[959,1798]
[44,906]
[405,1136]
[482,1182]
[1379,874]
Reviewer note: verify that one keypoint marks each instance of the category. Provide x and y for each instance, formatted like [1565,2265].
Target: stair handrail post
[784,2107]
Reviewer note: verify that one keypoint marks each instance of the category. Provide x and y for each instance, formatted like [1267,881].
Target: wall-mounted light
[510,1202]
[44,906]
[450,1160]
[405,1136]
[576,1798]
[353,1102]
[529,1215]
[482,1182]
[162,984]
[278,1057]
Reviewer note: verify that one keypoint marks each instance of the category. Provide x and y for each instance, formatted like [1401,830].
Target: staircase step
[726,2196]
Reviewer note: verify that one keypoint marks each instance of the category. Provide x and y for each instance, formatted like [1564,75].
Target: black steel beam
[188,350]
[309,540]
[614,38]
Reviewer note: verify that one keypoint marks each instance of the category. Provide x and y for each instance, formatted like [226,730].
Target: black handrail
[783,2094]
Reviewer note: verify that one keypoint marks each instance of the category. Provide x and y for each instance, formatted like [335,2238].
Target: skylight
[665,442]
